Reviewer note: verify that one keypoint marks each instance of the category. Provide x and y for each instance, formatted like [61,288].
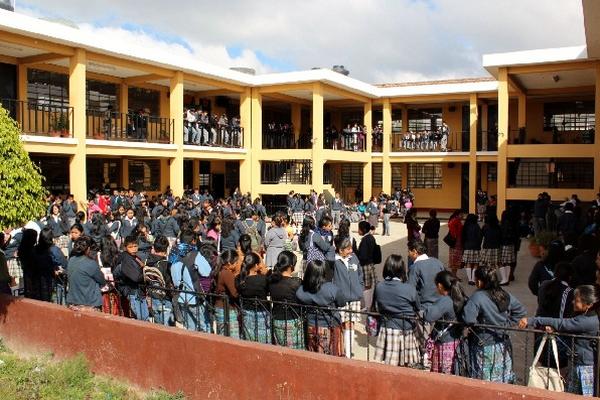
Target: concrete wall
[212,367]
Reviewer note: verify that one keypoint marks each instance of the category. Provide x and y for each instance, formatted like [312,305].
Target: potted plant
[542,239]
[59,125]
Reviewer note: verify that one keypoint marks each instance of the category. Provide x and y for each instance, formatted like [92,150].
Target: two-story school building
[96,114]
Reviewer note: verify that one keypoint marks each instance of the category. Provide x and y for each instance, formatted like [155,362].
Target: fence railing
[487,352]
[38,118]
[487,141]
[345,140]
[286,171]
[206,134]
[130,127]
[426,141]
[551,135]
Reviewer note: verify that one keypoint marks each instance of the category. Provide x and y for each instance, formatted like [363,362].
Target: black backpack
[377,254]
[189,262]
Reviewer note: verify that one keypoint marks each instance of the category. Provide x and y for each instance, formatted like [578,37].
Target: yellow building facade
[528,127]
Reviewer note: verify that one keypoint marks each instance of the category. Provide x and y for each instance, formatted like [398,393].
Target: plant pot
[64,133]
[534,250]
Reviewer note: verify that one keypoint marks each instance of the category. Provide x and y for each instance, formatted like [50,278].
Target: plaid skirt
[350,312]
[234,325]
[489,257]
[581,380]
[14,268]
[470,256]
[397,347]
[369,275]
[62,242]
[507,255]
[326,340]
[298,217]
[442,357]
[256,326]
[455,255]
[289,333]
[493,362]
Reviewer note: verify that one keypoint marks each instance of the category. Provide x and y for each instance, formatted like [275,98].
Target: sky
[378,41]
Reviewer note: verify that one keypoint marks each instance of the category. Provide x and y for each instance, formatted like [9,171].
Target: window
[377,175]
[424,176]
[553,173]
[286,171]
[205,174]
[140,99]
[569,116]
[47,88]
[424,119]
[396,176]
[492,172]
[352,174]
[144,175]
[102,172]
[100,95]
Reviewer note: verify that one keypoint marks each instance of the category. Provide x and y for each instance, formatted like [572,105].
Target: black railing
[347,140]
[551,136]
[429,141]
[38,118]
[286,171]
[131,127]
[218,135]
[487,352]
[278,136]
[490,143]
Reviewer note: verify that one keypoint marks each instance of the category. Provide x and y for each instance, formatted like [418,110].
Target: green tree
[22,194]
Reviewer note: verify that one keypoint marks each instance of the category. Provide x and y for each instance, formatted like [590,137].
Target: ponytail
[451,284]
[487,276]
[251,260]
[285,260]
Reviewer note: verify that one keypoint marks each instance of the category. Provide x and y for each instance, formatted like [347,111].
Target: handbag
[314,253]
[543,377]
[449,240]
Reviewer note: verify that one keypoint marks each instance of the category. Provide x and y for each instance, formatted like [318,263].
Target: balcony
[229,135]
[110,125]
[426,141]
[281,136]
[490,143]
[39,119]
[352,139]
[559,173]
[552,135]
[297,172]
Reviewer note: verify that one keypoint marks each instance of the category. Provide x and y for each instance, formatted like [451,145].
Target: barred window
[492,172]
[47,88]
[100,95]
[557,173]
[424,176]
[140,99]
[377,174]
[425,119]
[144,175]
[352,174]
[569,116]
[396,175]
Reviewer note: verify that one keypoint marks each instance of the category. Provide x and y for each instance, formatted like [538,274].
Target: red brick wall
[208,366]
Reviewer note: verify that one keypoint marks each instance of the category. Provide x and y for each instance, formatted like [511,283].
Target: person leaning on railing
[85,277]
[491,349]
[252,286]
[224,275]
[585,322]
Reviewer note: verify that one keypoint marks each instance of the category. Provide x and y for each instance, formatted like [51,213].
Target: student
[431,230]
[455,252]
[224,275]
[445,336]
[543,270]
[471,239]
[492,242]
[47,259]
[366,250]
[509,230]
[229,236]
[129,223]
[85,278]
[144,240]
[324,334]
[311,243]
[397,302]
[160,276]
[348,277]
[491,348]
[131,277]
[275,240]
[253,288]
[585,322]
[288,326]
[108,260]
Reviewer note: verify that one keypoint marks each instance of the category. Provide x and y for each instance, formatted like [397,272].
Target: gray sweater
[349,279]
[274,241]
[422,276]
[395,300]
[443,310]
[85,280]
[328,296]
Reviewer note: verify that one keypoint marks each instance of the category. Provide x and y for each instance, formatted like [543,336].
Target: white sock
[368,298]
[504,274]
[348,342]
[469,274]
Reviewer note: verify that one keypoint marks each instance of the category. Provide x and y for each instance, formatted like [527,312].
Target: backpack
[254,236]
[189,262]
[314,253]
[155,282]
[377,254]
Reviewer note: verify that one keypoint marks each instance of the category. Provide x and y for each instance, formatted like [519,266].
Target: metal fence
[494,353]
[37,118]
[110,125]
[286,171]
[426,141]
[207,134]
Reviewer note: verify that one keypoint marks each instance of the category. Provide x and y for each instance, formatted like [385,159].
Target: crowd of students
[204,129]
[222,266]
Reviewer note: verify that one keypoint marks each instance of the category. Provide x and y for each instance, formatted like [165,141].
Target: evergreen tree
[22,194]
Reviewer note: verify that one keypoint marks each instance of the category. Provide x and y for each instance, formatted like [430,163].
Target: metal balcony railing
[129,127]
[41,119]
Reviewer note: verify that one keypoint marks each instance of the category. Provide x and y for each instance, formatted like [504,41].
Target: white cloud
[378,41]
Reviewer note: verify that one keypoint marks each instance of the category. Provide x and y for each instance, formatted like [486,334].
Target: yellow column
[387,138]
[522,115]
[123,98]
[297,119]
[317,131]
[256,147]
[125,172]
[164,104]
[484,126]
[404,118]
[472,152]
[164,173]
[597,133]
[367,180]
[22,94]
[195,174]
[77,165]
[502,138]
[368,122]
[176,114]
[246,124]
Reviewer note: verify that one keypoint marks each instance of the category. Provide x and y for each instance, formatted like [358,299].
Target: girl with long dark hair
[224,276]
[253,289]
